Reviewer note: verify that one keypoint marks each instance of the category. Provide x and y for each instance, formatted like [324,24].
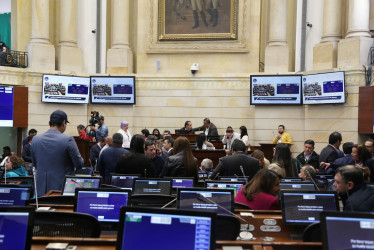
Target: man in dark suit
[26,151]
[95,152]
[54,154]
[232,165]
[187,129]
[209,128]
[309,156]
[330,153]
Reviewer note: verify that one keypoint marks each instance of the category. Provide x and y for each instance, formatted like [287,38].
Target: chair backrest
[65,224]
[238,205]
[54,200]
[312,233]
[227,227]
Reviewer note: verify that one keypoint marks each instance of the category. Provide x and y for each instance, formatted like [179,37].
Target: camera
[94,118]
[194,68]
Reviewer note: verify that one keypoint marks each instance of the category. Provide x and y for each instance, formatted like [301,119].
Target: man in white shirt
[124,131]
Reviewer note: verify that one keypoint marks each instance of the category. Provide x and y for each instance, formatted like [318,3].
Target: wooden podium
[84,147]
[268,149]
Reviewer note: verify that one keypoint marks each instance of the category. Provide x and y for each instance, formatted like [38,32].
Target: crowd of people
[56,154]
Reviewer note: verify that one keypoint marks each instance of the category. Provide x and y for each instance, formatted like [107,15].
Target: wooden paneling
[365,110]
[21,107]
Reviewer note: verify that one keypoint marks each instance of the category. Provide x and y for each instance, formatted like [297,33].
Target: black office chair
[54,200]
[65,224]
[312,233]
[227,227]
[238,205]
[151,200]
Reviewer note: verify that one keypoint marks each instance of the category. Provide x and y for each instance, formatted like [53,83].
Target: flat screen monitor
[16,225]
[211,200]
[152,186]
[14,195]
[187,182]
[165,229]
[326,88]
[104,204]
[347,230]
[304,207]
[234,185]
[73,182]
[301,185]
[203,175]
[65,89]
[113,89]
[330,184]
[6,106]
[230,178]
[123,180]
[290,179]
[322,178]
[275,89]
[84,171]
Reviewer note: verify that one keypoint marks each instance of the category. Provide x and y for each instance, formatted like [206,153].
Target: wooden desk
[217,144]
[191,137]
[84,147]
[214,155]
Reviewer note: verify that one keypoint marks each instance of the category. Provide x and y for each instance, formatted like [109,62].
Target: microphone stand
[310,176]
[246,181]
[36,191]
[167,204]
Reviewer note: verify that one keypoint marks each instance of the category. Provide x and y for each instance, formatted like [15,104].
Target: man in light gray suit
[54,154]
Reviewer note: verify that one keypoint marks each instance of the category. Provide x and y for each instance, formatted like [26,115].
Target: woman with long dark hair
[260,193]
[362,158]
[244,135]
[182,163]
[157,133]
[283,158]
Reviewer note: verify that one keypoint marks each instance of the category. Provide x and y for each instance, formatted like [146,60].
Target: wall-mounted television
[275,89]
[65,89]
[325,88]
[113,89]
[6,106]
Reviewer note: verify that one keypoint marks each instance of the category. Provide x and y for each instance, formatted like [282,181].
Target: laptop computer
[347,230]
[152,186]
[146,228]
[182,182]
[72,182]
[232,178]
[14,195]
[123,180]
[304,207]
[220,201]
[234,185]
[297,185]
[104,204]
[84,171]
[291,179]
[16,226]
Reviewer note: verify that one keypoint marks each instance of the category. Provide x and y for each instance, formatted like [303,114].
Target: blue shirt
[101,132]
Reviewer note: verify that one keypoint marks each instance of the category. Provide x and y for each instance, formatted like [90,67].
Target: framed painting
[197,20]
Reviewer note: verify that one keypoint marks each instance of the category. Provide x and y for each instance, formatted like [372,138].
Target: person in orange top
[282,136]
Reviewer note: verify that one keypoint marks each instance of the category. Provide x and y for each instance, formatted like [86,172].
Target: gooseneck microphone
[36,191]
[241,169]
[216,176]
[310,176]
[167,204]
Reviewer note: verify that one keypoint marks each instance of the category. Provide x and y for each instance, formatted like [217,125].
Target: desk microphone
[244,235]
[241,169]
[216,176]
[310,176]
[145,172]
[36,191]
[167,204]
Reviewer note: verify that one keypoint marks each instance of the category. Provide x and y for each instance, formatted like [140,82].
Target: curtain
[5,29]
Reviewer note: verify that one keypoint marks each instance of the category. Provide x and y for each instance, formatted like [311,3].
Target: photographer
[102,130]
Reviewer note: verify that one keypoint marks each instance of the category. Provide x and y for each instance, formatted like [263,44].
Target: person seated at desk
[277,169]
[230,137]
[261,192]
[15,167]
[282,136]
[309,156]
[355,194]
[156,132]
[182,163]
[208,127]
[340,162]
[283,157]
[187,129]
[202,143]
[260,156]
[244,135]
[308,173]
[206,166]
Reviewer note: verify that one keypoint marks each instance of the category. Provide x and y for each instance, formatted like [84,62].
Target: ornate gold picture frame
[183,20]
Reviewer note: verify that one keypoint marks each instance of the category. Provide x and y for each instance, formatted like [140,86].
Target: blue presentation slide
[6,107]
[13,230]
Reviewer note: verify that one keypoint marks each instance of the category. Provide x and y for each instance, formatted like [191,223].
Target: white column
[353,50]
[119,57]
[41,51]
[325,53]
[69,56]
[276,51]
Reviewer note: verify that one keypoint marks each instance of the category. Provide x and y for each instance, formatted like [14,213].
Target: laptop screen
[16,227]
[125,181]
[142,228]
[71,183]
[152,186]
[84,171]
[347,230]
[104,204]
[14,196]
[183,182]
[291,179]
[330,184]
[234,185]
[301,208]
[228,178]
[301,186]
[212,200]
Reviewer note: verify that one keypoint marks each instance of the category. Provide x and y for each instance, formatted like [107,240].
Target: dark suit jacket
[211,132]
[94,154]
[175,167]
[361,199]
[230,166]
[328,154]
[26,153]
[313,160]
[135,163]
